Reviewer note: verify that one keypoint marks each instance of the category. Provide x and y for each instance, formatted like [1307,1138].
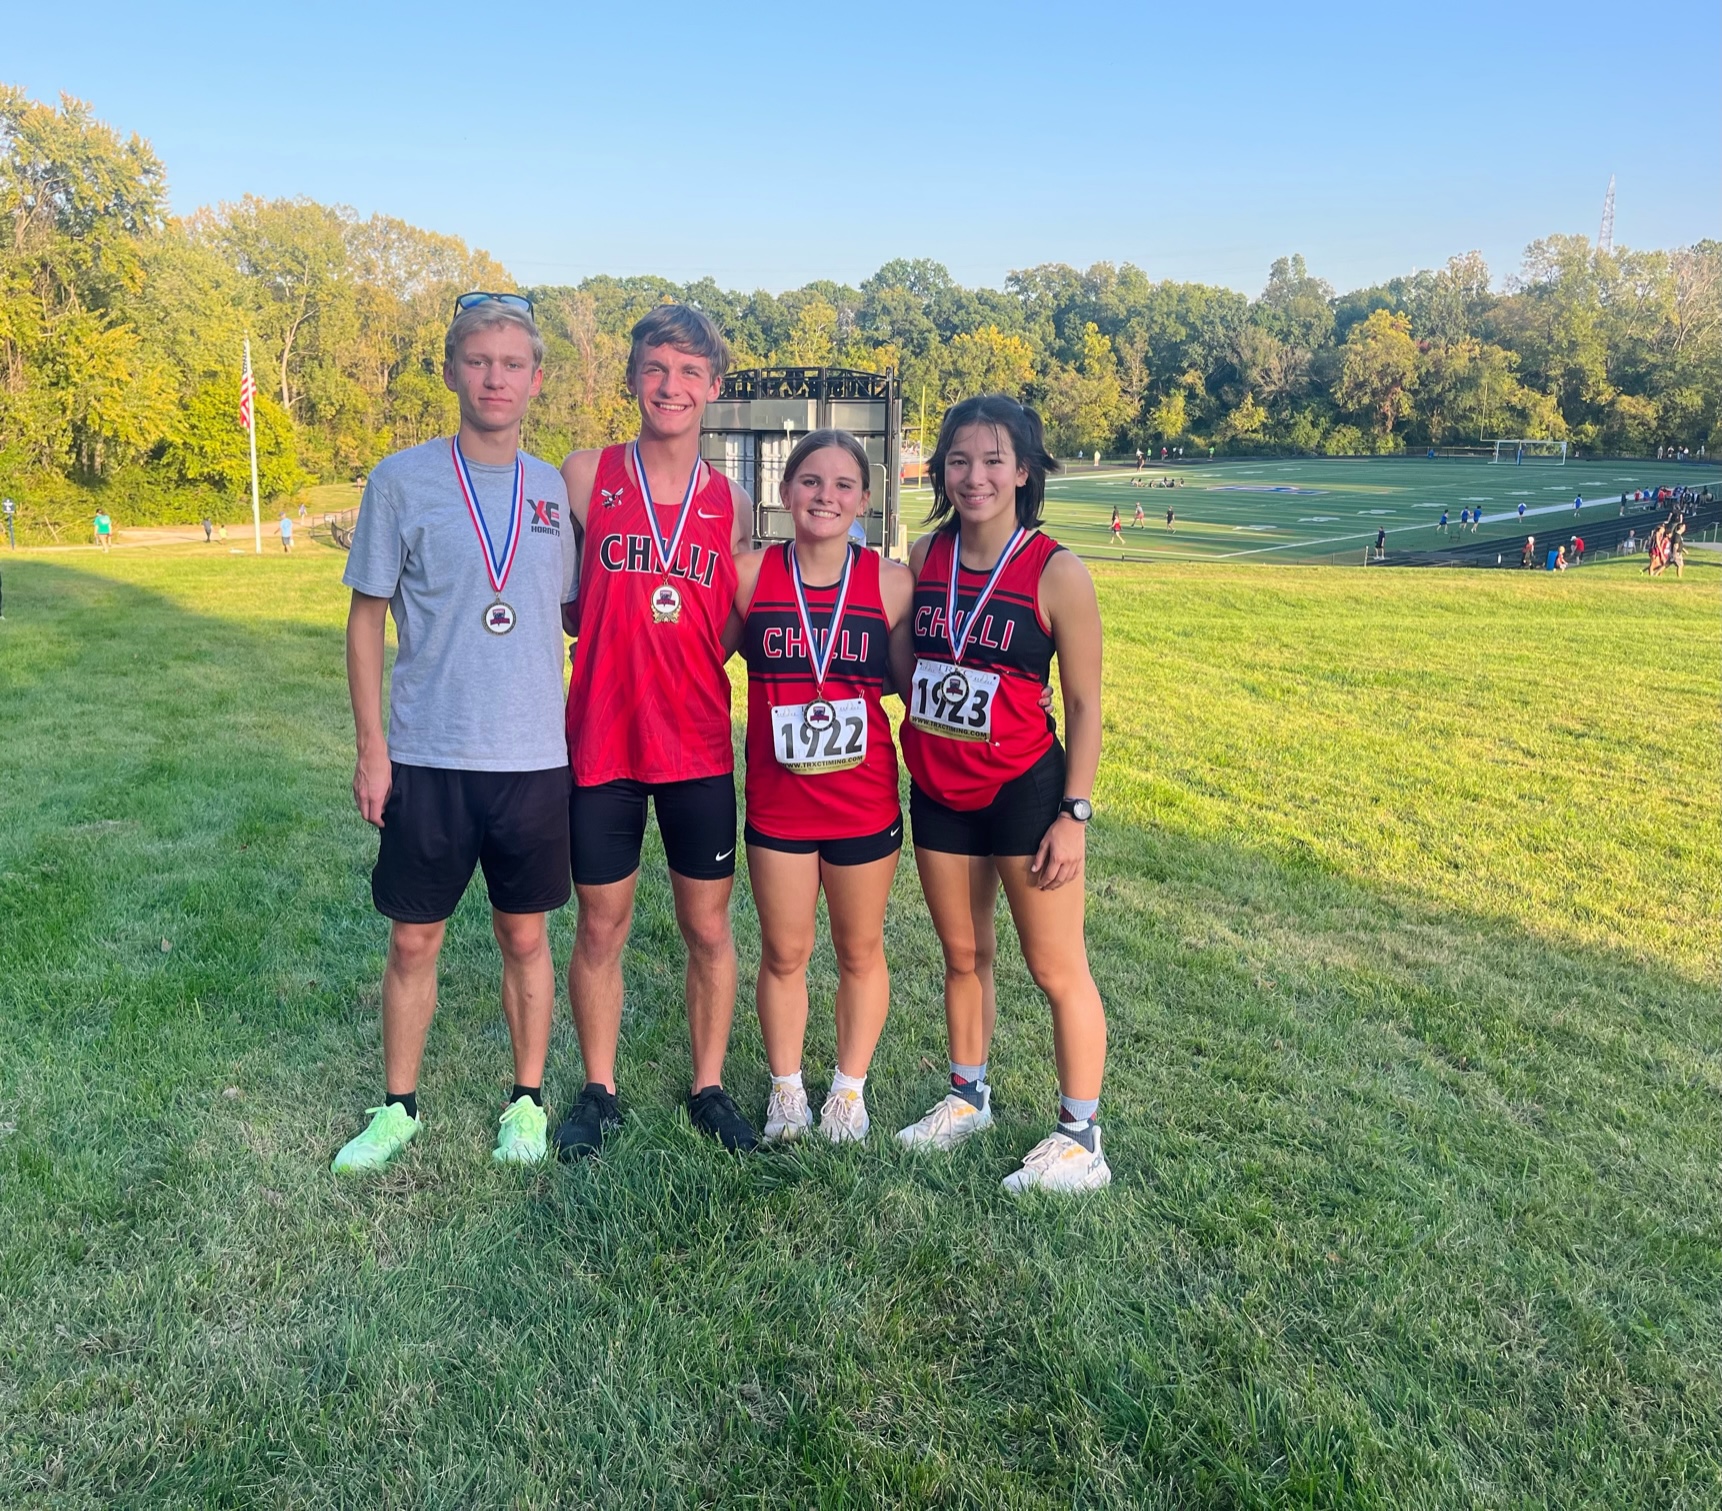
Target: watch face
[1080,809]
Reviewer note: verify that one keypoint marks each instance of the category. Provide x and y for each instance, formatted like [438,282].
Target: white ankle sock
[841,1082]
[792,1079]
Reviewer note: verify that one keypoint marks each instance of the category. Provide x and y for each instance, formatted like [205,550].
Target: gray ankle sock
[967,1080]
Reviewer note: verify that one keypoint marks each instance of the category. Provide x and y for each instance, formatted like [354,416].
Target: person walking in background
[208,529]
[104,529]
[221,532]
[1381,543]
[1529,553]
[286,533]
[10,510]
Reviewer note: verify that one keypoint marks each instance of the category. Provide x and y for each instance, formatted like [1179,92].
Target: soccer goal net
[1520,451]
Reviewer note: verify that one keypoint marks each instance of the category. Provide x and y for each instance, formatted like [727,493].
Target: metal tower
[1605,237]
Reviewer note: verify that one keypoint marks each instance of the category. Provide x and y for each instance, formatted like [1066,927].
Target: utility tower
[1605,237]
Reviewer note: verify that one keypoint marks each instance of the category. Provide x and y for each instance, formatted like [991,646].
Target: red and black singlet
[1011,641]
[650,701]
[837,804]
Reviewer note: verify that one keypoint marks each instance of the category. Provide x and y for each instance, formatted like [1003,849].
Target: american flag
[247,390]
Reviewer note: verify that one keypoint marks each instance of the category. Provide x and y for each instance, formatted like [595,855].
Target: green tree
[1379,369]
[208,445]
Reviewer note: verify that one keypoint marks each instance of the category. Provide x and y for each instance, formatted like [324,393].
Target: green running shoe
[390,1131]
[520,1138]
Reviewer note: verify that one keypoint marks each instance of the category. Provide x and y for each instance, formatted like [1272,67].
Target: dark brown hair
[1028,442]
[687,330]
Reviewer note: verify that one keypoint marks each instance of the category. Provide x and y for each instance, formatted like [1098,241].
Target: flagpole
[251,431]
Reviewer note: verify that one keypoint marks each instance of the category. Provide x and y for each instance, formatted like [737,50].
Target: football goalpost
[1521,450]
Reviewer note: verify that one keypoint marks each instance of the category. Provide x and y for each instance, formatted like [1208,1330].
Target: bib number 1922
[953,701]
[834,740]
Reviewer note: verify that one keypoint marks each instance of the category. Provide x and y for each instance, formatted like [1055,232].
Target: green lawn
[1328,509]
[1405,906]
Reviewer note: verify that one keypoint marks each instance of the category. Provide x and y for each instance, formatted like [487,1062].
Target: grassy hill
[1404,902]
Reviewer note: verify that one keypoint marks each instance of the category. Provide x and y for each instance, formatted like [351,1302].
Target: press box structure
[762,413]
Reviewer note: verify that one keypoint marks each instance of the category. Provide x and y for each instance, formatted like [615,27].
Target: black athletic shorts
[1013,823]
[860,851]
[607,823]
[439,824]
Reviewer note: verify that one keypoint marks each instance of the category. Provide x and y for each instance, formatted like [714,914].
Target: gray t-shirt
[462,698]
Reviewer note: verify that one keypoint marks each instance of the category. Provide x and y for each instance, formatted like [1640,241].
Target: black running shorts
[607,823]
[1013,823]
[438,825]
[860,851]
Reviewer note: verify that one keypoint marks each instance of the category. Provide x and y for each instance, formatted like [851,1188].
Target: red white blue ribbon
[666,549]
[959,642]
[820,661]
[497,565]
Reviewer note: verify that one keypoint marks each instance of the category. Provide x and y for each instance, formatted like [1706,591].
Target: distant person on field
[1521,509]
[1171,521]
[1140,520]
[208,529]
[1141,460]
[1578,503]
[1381,543]
[286,533]
[221,532]
[465,540]
[104,530]
[1464,520]
[1529,553]
[1442,527]
[10,509]
[302,511]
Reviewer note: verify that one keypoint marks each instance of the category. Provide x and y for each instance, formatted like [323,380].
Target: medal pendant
[666,604]
[499,618]
[955,689]
[818,717]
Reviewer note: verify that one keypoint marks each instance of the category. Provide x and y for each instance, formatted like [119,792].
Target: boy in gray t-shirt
[467,543]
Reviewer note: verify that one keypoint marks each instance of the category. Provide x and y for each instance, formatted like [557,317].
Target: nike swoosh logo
[703,515]
[727,853]
[896,829]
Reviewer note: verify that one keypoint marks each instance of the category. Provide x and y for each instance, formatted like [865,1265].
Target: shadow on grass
[1409,1208]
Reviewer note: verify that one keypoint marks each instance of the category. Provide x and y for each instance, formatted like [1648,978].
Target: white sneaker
[1060,1163]
[950,1122]
[786,1114]
[843,1119]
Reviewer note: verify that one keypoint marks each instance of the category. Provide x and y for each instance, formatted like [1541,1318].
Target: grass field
[1330,509]
[1405,907]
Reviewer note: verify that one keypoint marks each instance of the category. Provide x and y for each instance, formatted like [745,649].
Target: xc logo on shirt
[546,517]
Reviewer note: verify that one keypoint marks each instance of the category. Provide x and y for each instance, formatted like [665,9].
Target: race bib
[815,739]
[953,701]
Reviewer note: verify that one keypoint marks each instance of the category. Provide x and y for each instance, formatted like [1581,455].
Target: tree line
[121,328]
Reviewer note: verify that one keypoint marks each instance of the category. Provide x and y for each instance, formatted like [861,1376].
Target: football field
[1408,941]
[1329,509]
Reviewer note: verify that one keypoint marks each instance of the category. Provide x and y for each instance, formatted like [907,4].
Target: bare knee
[706,933]
[601,931]
[414,947]
[969,958]
[520,936]
[857,957]
[1059,977]
[785,957]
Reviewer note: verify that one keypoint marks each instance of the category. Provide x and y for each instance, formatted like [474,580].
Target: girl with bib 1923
[994,796]
[816,618]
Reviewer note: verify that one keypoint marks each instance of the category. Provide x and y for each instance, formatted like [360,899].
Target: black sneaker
[581,1133]
[713,1113]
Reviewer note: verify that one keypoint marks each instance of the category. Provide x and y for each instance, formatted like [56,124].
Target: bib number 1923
[814,739]
[953,701]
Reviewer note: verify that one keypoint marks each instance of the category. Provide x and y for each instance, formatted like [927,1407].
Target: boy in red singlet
[816,618]
[993,798]
[649,714]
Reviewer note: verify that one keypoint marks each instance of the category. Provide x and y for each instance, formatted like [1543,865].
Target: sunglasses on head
[476,298]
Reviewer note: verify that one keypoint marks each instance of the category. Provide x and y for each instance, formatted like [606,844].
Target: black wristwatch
[1079,808]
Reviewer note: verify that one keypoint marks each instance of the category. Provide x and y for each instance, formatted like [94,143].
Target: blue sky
[769,144]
